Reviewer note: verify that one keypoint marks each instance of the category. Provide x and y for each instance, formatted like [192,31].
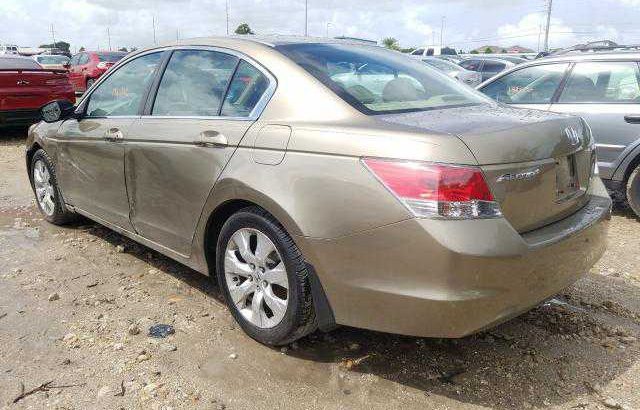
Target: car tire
[45,188]
[90,82]
[633,190]
[257,282]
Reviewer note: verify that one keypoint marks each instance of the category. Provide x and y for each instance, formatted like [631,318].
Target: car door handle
[113,135]
[632,119]
[212,139]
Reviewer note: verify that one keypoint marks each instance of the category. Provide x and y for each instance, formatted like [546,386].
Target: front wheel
[264,278]
[633,190]
[45,187]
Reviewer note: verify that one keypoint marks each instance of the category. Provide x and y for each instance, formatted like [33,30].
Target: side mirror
[57,110]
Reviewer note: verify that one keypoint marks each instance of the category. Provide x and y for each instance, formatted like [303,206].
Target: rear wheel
[633,190]
[45,187]
[264,278]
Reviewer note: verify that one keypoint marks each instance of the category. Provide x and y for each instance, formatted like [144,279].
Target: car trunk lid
[31,88]
[537,164]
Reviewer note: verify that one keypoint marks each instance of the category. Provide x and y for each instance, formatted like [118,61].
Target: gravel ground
[76,304]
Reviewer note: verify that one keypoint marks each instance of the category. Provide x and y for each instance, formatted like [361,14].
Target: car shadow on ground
[556,353]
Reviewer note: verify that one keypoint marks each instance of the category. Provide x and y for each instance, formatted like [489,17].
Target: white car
[429,51]
[8,49]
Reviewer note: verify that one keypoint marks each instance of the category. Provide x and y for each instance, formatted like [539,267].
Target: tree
[81,49]
[391,43]
[473,52]
[244,29]
[123,49]
[504,51]
[488,50]
[60,45]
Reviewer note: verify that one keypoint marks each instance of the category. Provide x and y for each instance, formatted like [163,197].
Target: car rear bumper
[19,118]
[436,278]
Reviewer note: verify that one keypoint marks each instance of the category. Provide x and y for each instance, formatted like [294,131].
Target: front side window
[194,83]
[603,82]
[246,89]
[375,80]
[530,85]
[122,93]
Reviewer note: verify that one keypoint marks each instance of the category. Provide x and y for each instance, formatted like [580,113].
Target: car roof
[608,56]
[495,59]
[268,40]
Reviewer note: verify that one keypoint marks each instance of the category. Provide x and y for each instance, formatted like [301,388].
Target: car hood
[497,134]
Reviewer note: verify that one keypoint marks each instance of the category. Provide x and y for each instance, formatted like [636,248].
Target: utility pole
[546,32]
[442,32]
[154,29]
[306,18]
[53,36]
[227,11]
[328,24]
[177,34]
[109,38]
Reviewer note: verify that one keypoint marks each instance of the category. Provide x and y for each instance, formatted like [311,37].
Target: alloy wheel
[44,189]
[256,278]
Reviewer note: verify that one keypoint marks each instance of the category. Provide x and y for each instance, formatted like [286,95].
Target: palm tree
[391,43]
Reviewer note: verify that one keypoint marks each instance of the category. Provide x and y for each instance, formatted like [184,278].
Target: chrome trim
[611,146]
[255,113]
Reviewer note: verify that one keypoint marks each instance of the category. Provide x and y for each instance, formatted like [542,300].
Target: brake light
[431,190]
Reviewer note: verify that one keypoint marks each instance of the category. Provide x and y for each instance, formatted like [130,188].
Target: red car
[25,87]
[88,66]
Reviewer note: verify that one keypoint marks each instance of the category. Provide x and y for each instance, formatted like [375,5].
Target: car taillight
[431,190]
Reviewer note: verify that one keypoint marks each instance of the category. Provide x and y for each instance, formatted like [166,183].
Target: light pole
[442,32]
[328,24]
[227,11]
[306,18]
[546,32]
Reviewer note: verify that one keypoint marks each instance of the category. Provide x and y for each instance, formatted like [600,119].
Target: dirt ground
[76,304]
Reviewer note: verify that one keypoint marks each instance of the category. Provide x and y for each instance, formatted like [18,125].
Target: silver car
[604,89]
[470,78]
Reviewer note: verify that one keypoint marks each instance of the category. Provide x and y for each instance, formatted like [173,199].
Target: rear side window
[194,83]
[472,65]
[83,59]
[530,85]
[603,82]
[110,57]
[418,52]
[122,93]
[493,66]
[246,89]
[18,63]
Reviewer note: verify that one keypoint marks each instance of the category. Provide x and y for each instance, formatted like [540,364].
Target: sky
[467,23]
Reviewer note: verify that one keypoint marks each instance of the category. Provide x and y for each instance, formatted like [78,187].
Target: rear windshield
[111,57]
[52,59]
[18,63]
[379,81]
[442,64]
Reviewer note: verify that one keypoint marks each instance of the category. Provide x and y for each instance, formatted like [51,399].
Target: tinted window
[18,63]
[378,80]
[122,92]
[194,83]
[603,82]
[493,66]
[418,52]
[531,85]
[111,57]
[52,59]
[74,59]
[245,91]
[83,59]
[473,65]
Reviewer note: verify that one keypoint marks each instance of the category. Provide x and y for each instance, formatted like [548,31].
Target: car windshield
[52,59]
[379,81]
[18,63]
[110,57]
[442,65]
